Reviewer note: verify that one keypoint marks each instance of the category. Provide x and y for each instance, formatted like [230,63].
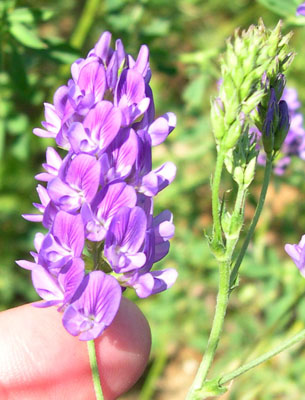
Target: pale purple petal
[125,238]
[69,231]
[161,128]
[101,49]
[158,179]
[297,253]
[103,122]
[92,79]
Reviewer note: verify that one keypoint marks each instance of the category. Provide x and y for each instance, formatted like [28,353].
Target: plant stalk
[95,371]
[246,367]
[259,208]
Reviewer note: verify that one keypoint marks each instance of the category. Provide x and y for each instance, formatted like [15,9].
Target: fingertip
[39,359]
[123,351]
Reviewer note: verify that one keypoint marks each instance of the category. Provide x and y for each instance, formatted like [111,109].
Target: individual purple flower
[297,253]
[93,306]
[146,284]
[107,203]
[79,185]
[125,238]
[96,132]
[64,241]
[301,9]
[120,156]
[58,289]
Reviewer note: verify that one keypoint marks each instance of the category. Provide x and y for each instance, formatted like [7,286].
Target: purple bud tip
[301,10]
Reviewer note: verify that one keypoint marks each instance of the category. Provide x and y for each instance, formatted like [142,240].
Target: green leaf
[157,27]
[285,8]
[29,15]
[26,36]
[17,72]
[61,51]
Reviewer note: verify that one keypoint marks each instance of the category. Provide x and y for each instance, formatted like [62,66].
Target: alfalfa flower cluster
[98,199]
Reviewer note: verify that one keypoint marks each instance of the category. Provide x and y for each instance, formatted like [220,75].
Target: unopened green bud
[234,133]
[253,101]
[217,118]
[250,172]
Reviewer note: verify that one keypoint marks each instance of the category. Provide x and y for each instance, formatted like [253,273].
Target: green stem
[215,196]
[84,24]
[259,208]
[94,369]
[220,312]
[283,346]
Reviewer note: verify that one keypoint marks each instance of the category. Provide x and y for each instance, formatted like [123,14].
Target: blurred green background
[38,41]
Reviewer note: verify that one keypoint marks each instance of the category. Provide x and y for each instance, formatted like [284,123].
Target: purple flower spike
[93,306]
[125,239]
[297,253]
[301,9]
[102,190]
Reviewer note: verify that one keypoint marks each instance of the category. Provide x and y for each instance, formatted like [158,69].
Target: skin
[40,360]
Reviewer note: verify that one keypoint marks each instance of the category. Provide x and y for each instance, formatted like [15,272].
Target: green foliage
[185,39]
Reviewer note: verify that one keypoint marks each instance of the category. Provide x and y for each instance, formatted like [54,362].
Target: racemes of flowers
[97,204]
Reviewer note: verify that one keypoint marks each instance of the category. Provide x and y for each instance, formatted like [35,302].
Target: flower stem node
[217,249]
[210,388]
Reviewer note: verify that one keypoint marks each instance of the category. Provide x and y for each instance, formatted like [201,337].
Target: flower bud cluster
[294,143]
[248,56]
[98,201]
[241,161]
